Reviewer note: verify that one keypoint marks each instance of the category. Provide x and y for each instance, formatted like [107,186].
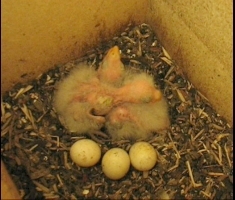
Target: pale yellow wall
[198,35]
[8,188]
[38,34]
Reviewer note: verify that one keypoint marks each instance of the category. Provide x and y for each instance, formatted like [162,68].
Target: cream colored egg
[85,153]
[143,156]
[115,163]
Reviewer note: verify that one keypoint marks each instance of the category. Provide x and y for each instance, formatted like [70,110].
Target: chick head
[118,115]
[138,91]
[122,123]
[143,92]
[111,69]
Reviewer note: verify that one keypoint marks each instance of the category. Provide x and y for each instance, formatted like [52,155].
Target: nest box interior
[36,35]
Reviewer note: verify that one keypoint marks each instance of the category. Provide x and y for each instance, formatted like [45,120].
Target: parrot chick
[80,99]
[111,69]
[79,118]
[137,88]
[101,103]
[122,124]
[76,86]
[137,121]
[82,85]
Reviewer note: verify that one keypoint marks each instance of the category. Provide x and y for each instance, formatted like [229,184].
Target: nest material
[195,158]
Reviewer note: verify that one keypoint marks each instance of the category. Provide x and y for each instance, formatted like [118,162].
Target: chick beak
[114,53]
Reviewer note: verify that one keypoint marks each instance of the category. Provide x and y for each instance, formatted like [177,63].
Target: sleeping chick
[137,88]
[82,85]
[127,104]
[137,121]
[111,69]
[68,89]
[80,99]
[79,118]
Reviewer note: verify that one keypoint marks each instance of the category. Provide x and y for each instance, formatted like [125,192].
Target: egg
[143,156]
[85,153]
[115,163]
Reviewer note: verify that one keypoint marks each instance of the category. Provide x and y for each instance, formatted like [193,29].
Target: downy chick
[137,121]
[69,87]
[111,69]
[80,98]
[132,87]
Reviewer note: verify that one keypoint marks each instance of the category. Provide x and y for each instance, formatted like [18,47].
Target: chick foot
[94,134]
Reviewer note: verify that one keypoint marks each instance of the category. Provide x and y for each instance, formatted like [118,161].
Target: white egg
[85,153]
[115,163]
[143,156]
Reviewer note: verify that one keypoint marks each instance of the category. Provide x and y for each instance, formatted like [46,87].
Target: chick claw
[98,133]
[100,120]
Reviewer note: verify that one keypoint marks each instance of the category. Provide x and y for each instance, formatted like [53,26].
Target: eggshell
[143,156]
[85,153]
[115,163]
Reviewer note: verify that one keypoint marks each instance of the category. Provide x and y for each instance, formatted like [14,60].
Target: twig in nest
[66,164]
[199,134]
[174,147]
[22,91]
[28,115]
[176,163]
[59,179]
[216,157]
[191,176]
[42,187]
[227,156]
[216,174]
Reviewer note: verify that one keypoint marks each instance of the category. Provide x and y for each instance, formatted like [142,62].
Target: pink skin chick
[137,121]
[77,104]
[138,88]
[111,69]
[127,104]
[122,124]
[90,90]
[74,87]
[97,95]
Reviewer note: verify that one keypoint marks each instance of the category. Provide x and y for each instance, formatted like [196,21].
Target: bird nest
[194,158]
